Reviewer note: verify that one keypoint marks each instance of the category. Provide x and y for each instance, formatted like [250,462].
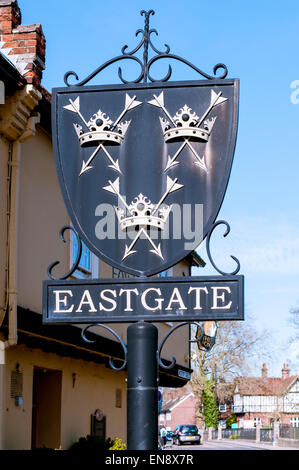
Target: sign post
[143,168]
[142,387]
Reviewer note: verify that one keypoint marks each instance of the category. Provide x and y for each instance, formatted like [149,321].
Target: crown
[187,125]
[101,128]
[142,213]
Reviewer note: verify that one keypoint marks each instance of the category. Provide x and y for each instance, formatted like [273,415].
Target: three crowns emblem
[185,127]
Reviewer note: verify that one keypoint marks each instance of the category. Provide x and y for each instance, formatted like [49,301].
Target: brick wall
[23,45]
[182,413]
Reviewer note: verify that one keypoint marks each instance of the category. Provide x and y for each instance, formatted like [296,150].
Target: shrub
[118,445]
[91,443]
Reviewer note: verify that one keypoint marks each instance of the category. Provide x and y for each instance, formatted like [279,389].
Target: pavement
[229,444]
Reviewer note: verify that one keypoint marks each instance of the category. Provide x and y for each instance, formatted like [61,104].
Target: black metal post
[142,387]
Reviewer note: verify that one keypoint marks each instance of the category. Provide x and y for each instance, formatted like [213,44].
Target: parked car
[184,433]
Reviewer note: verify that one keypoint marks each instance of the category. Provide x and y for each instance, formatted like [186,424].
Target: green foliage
[118,445]
[208,400]
[91,443]
[235,436]
[230,420]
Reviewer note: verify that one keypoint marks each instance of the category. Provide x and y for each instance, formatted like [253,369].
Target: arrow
[171,186]
[171,161]
[86,165]
[159,102]
[215,100]
[130,103]
[156,249]
[74,106]
[114,188]
[200,161]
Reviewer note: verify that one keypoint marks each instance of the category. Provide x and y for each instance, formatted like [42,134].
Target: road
[227,445]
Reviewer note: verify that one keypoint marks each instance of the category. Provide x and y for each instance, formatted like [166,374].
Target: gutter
[10,76]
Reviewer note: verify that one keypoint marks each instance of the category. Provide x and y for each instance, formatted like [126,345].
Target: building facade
[178,407]
[53,385]
[263,400]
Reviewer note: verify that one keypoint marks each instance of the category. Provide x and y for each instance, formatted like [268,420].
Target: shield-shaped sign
[143,168]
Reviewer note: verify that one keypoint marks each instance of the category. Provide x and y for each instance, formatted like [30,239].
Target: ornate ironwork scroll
[145,64]
[111,363]
[221,222]
[77,260]
[198,338]
[67,275]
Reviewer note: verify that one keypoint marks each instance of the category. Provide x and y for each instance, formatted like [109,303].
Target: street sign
[151,299]
[143,168]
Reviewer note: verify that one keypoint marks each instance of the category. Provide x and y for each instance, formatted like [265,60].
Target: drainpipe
[11,295]
[2,392]
[12,242]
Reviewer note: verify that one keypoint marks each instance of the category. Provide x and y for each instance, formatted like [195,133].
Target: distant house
[178,407]
[263,400]
[225,393]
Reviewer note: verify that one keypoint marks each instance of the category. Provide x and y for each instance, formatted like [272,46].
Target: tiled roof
[263,385]
[169,404]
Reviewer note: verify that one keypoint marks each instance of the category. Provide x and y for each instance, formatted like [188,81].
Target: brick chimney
[285,371]
[264,371]
[23,45]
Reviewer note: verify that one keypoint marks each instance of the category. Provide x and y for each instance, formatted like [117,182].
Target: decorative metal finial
[145,64]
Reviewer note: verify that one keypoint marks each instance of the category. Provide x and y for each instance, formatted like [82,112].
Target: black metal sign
[144,168]
[156,299]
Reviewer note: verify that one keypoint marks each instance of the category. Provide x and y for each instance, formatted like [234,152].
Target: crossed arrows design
[159,102]
[171,186]
[74,106]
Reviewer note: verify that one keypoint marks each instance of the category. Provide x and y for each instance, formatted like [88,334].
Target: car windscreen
[189,429]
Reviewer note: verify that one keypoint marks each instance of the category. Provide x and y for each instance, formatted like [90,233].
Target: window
[257,421]
[167,273]
[222,408]
[88,265]
[294,421]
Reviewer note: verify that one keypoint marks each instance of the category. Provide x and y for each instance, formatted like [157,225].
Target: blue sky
[258,42]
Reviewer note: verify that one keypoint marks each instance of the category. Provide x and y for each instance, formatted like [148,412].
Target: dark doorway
[46,408]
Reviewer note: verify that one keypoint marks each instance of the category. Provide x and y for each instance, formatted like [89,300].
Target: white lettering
[176,298]
[197,296]
[86,295]
[62,301]
[128,293]
[158,300]
[221,297]
[108,299]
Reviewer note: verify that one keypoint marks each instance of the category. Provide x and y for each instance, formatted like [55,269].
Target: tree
[208,402]
[294,321]
[294,339]
[237,344]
